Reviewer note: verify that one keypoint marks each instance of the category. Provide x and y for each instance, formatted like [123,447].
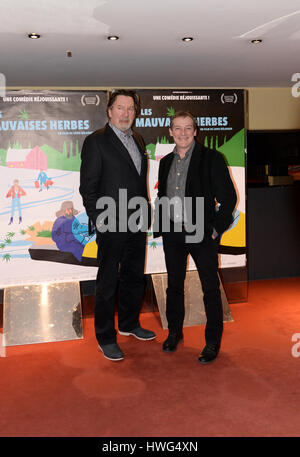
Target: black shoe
[111,352]
[209,353]
[170,345]
[140,333]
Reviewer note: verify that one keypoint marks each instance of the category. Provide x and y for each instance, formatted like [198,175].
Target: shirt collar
[188,152]
[119,132]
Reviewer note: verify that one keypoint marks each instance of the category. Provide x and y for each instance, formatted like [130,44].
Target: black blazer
[207,177]
[106,167]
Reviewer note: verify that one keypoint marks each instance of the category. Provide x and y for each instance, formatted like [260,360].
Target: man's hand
[214,234]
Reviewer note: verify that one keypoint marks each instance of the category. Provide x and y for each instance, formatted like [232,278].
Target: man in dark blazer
[200,174]
[114,169]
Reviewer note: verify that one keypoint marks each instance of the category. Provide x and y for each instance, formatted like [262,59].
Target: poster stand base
[194,306]
[42,313]
[235,283]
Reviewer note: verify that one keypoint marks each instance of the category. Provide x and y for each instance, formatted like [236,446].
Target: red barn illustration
[33,158]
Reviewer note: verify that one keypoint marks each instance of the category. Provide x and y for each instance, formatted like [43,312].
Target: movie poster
[43,225]
[220,117]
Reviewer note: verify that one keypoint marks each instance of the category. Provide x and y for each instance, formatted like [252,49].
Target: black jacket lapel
[165,173]
[120,148]
[193,170]
[142,149]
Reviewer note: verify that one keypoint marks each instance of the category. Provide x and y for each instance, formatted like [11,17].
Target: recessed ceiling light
[187,39]
[256,41]
[113,37]
[34,36]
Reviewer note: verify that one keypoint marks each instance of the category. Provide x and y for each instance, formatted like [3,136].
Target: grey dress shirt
[130,145]
[176,184]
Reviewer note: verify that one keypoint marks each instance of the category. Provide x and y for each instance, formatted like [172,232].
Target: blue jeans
[16,202]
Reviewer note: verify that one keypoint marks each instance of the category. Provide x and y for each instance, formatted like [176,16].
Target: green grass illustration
[44,234]
[233,150]
[69,159]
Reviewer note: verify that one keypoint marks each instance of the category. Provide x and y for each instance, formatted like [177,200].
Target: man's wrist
[214,234]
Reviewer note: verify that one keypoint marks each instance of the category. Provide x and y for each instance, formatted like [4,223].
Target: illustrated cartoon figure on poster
[41,179]
[67,232]
[15,192]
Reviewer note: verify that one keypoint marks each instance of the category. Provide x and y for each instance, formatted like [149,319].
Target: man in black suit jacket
[114,170]
[200,174]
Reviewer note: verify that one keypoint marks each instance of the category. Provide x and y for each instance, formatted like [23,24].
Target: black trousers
[205,256]
[124,253]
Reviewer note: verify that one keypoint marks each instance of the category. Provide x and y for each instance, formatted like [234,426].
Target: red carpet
[252,389]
